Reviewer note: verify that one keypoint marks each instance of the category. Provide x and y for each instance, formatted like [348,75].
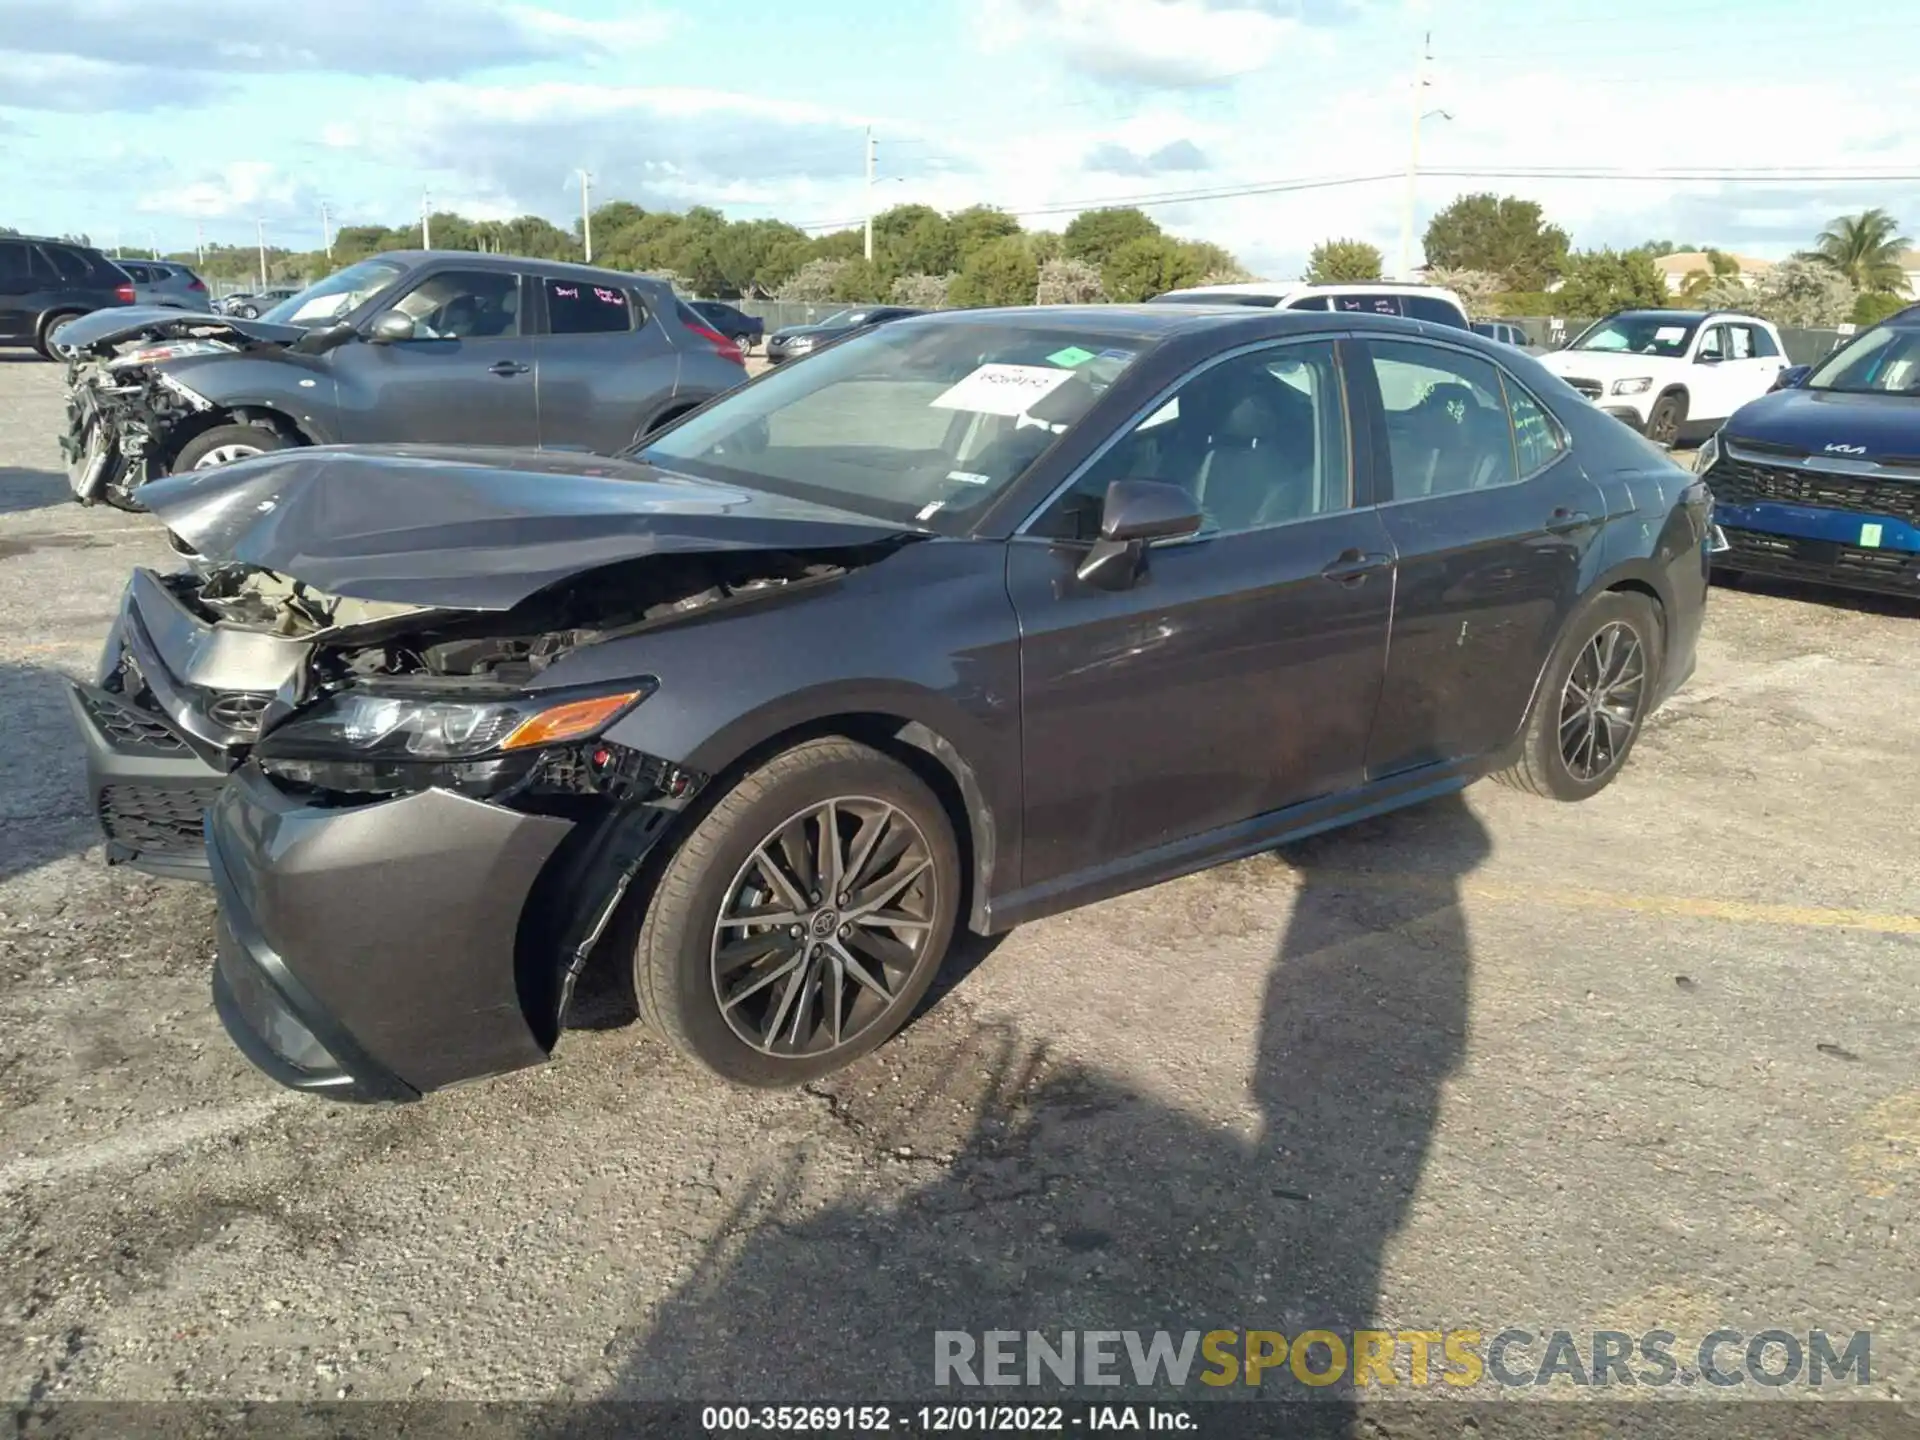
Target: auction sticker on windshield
[1002,389]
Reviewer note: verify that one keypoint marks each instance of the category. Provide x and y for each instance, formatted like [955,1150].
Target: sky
[136,122]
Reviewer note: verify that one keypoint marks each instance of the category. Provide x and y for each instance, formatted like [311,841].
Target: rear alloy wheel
[1669,414]
[226,443]
[802,919]
[1592,701]
[49,345]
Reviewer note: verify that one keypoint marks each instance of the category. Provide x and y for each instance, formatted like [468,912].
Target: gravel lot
[1651,1061]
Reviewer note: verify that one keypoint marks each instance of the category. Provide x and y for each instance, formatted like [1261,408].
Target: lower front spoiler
[149,790]
[1820,562]
[368,952]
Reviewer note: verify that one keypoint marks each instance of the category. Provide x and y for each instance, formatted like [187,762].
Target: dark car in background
[166,282]
[46,284]
[969,620]
[1820,478]
[743,329]
[1506,333]
[252,304]
[793,341]
[436,347]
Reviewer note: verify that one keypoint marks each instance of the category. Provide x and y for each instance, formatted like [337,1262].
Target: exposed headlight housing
[167,350]
[379,740]
[1635,385]
[1708,456]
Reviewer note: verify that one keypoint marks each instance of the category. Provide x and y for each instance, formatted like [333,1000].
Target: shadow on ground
[31,489]
[1047,1194]
[1827,596]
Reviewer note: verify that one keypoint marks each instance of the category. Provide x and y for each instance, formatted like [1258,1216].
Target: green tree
[837,245]
[1143,268]
[1872,309]
[1001,272]
[1720,266]
[913,239]
[1333,261]
[1046,245]
[1476,288]
[1866,248]
[860,281]
[1500,233]
[1599,282]
[1097,235]
[1068,282]
[976,227]
[754,256]
[814,282]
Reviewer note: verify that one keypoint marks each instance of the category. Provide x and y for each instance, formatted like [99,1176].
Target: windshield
[1884,361]
[920,424]
[845,317]
[334,296]
[1639,335]
[1176,297]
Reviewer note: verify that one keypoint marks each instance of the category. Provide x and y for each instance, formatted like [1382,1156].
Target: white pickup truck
[1673,375]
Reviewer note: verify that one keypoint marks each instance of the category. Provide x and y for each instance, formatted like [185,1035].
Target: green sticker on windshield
[1072,355]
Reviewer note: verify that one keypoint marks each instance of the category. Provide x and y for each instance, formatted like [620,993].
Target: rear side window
[1448,429]
[69,265]
[1763,346]
[579,307]
[13,261]
[1436,311]
[139,274]
[1537,441]
[1369,304]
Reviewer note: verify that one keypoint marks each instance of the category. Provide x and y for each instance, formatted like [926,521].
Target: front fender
[297,387]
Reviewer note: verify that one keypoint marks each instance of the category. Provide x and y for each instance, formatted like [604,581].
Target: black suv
[45,283]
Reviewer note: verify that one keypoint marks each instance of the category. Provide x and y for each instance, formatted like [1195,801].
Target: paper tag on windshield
[1002,389]
[1670,334]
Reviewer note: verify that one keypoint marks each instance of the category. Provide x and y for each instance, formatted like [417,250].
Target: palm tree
[1865,248]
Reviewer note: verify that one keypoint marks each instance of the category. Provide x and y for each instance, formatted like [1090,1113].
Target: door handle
[508,367]
[1354,566]
[1563,520]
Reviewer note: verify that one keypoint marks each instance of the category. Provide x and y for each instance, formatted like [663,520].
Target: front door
[464,378]
[1491,518]
[1239,673]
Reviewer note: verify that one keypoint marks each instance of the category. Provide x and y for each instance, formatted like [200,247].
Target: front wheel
[1669,414]
[802,919]
[49,344]
[226,443]
[1592,701]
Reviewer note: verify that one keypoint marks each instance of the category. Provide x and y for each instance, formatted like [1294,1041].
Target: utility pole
[586,213]
[153,244]
[200,242]
[870,147]
[260,236]
[326,229]
[1420,84]
[426,224]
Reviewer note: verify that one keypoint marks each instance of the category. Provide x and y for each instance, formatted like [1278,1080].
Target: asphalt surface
[1647,1062]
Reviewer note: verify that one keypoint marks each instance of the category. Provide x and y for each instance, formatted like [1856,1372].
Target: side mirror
[1135,512]
[1791,378]
[1707,357]
[389,326]
[323,338]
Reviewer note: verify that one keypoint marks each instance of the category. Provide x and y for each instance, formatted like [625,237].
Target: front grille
[147,818]
[1794,557]
[131,728]
[1747,482]
[1592,389]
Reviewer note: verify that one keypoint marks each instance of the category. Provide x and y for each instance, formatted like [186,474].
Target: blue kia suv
[1819,479]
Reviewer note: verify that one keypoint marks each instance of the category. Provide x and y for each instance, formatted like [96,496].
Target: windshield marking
[1000,389]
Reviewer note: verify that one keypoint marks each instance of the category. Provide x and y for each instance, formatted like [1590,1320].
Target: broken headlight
[369,740]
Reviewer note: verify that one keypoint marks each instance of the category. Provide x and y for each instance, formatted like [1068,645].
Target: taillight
[722,346]
[124,294]
[196,284]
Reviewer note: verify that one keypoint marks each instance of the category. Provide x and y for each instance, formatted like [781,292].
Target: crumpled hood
[105,328]
[468,527]
[1605,364]
[1880,426]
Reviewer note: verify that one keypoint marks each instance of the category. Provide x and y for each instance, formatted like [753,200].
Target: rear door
[466,378]
[1238,675]
[606,366]
[16,284]
[1491,517]
[1757,362]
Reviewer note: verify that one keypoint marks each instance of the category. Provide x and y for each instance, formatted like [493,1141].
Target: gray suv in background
[425,347]
[166,282]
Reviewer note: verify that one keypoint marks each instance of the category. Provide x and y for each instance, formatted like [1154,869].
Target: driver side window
[1713,344]
[1257,440]
[464,305]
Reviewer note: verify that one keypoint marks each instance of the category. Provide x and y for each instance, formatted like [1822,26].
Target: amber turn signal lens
[572,721]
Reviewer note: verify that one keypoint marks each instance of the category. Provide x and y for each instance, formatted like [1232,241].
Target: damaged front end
[417,837]
[127,414]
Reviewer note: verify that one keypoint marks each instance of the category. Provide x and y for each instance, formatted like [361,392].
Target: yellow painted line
[1680,907]
[50,647]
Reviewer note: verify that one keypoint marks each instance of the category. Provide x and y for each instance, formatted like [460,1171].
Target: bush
[923,292]
[1872,309]
[815,282]
[1069,282]
[1000,272]
[1799,294]
[1601,281]
[1336,261]
[1477,289]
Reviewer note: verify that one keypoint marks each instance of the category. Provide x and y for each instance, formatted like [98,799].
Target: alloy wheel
[823,926]
[1600,704]
[224,454]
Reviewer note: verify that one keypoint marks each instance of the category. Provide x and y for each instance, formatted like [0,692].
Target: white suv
[1673,375]
[1367,297]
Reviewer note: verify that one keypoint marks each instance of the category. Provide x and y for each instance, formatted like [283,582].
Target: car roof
[475,260]
[1151,323]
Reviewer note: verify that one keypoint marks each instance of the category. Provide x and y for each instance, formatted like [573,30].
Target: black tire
[43,341]
[258,439]
[1668,415]
[1558,721]
[674,963]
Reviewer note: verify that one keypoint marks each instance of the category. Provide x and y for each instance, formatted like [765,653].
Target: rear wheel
[1592,700]
[802,919]
[48,341]
[1669,414]
[226,443]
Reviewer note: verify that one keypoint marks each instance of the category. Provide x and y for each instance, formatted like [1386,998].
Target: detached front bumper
[149,789]
[369,952]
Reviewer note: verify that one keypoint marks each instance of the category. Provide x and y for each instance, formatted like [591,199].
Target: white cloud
[1154,43]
